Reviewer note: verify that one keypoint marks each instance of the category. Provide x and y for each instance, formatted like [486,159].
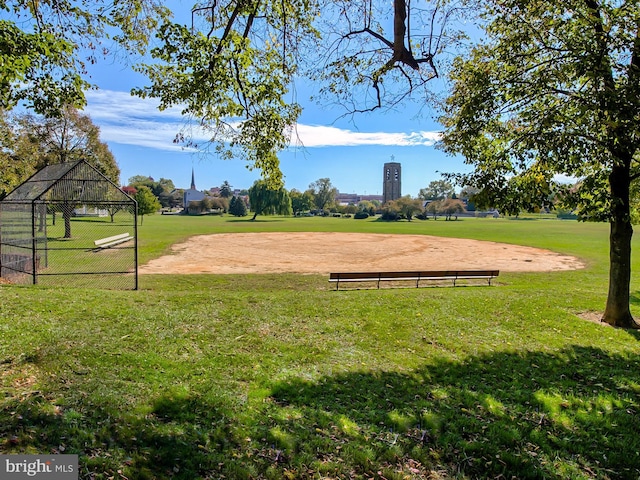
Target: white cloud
[565,179]
[322,136]
[130,120]
[109,104]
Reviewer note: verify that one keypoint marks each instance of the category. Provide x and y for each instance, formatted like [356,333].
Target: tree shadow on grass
[251,220]
[634,298]
[574,414]
[180,436]
[568,414]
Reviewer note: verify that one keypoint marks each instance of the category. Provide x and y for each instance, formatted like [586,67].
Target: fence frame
[28,254]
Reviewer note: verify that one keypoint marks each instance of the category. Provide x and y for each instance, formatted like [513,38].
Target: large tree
[324,193]
[555,89]
[36,142]
[47,46]
[18,153]
[437,190]
[266,200]
[71,137]
[407,206]
[301,201]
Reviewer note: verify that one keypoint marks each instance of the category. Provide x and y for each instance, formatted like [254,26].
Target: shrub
[360,215]
[237,207]
[566,214]
[390,216]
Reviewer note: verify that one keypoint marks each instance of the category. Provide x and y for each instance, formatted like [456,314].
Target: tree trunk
[617,311]
[400,51]
[67,210]
[42,219]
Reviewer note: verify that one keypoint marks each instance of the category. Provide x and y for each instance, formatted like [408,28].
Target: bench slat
[120,236]
[416,276]
[113,240]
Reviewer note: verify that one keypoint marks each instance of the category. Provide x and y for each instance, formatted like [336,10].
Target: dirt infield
[309,253]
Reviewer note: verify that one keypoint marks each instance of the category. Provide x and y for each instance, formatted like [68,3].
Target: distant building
[192,195]
[371,198]
[391,182]
[355,199]
[90,211]
[347,198]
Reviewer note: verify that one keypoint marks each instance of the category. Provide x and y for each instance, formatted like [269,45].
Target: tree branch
[634,66]
[370,32]
[230,22]
[250,19]
[240,94]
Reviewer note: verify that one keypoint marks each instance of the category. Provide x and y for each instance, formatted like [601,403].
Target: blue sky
[349,151]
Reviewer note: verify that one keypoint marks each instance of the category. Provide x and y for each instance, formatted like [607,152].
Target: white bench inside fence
[113,240]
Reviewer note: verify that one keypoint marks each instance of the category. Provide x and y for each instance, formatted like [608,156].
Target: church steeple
[191,195]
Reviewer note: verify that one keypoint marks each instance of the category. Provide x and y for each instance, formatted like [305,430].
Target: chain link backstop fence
[69,225]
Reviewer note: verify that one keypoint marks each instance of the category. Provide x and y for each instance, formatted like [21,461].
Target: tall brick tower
[391,183]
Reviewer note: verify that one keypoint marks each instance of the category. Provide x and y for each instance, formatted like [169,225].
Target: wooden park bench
[417,276]
[112,241]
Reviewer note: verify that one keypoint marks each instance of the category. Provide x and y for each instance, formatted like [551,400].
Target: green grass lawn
[280,376]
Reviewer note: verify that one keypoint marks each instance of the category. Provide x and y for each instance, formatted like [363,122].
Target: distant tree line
[30,142]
